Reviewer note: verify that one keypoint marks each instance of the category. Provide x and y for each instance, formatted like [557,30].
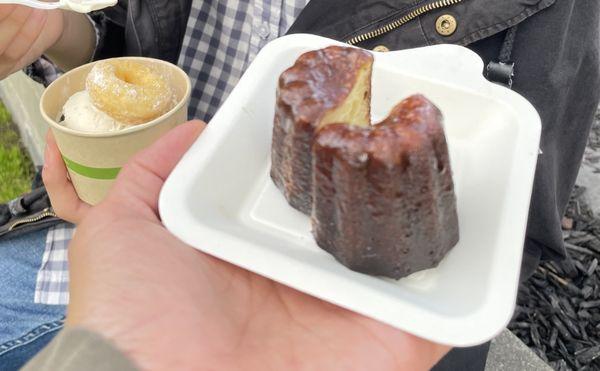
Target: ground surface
[16,170]
[508,353]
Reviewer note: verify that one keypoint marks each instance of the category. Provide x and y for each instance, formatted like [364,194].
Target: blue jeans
[25,327]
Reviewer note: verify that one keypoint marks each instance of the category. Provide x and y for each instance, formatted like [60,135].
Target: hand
[65,201]
[67,38]
[168,306]
[25,34]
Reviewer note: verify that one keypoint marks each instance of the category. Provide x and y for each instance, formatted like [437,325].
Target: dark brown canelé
[381,197]
[323,86]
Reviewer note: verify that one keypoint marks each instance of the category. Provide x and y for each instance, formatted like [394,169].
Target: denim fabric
[25,327]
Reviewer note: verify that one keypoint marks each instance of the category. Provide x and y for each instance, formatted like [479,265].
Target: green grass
[16,169]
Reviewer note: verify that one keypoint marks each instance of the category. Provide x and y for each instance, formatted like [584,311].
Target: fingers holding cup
[63,196]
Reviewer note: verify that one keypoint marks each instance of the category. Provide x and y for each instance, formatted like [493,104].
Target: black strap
[508,44]
[502,70]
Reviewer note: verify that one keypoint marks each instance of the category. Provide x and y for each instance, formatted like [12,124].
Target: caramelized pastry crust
[381,197]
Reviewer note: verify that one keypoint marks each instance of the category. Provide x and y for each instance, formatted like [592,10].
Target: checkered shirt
[52,284]
[222,38]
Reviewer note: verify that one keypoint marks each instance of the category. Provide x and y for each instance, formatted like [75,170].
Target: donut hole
[121,75]
[127,77]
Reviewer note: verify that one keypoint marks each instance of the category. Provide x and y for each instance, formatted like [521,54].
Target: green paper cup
[95,159]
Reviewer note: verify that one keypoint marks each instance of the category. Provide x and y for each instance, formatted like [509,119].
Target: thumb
[139,183]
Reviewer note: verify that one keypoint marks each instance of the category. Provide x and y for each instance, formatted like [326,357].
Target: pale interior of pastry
[355,108]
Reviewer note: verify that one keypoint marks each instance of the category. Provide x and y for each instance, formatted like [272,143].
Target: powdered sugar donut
[129,91]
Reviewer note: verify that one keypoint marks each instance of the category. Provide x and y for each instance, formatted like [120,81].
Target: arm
[76,44]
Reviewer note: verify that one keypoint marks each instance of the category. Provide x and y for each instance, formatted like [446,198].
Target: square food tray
[221,200]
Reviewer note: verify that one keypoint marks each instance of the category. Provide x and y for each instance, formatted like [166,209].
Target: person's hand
[26,33]
[66,203]
[169,306]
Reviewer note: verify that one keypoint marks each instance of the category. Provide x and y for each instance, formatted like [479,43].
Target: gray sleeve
[76,349]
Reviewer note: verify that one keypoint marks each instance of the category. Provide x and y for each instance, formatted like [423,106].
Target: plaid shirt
[52,283]
[222,38]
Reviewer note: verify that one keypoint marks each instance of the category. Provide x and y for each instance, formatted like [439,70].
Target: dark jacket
[555,50]
[156,28]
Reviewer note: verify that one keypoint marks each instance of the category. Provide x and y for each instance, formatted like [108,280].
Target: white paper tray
[221,200]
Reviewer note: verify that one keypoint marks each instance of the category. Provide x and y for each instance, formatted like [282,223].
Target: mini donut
[131,92]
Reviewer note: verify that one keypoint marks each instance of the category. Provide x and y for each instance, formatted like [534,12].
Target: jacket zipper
[43,214]
[399,22]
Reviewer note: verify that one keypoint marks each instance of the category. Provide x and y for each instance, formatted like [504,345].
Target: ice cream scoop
[81,114]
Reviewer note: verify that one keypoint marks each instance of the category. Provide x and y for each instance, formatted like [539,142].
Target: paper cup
[94,159]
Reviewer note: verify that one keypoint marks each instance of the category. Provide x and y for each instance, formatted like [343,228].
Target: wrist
[61,17]
[75,44]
